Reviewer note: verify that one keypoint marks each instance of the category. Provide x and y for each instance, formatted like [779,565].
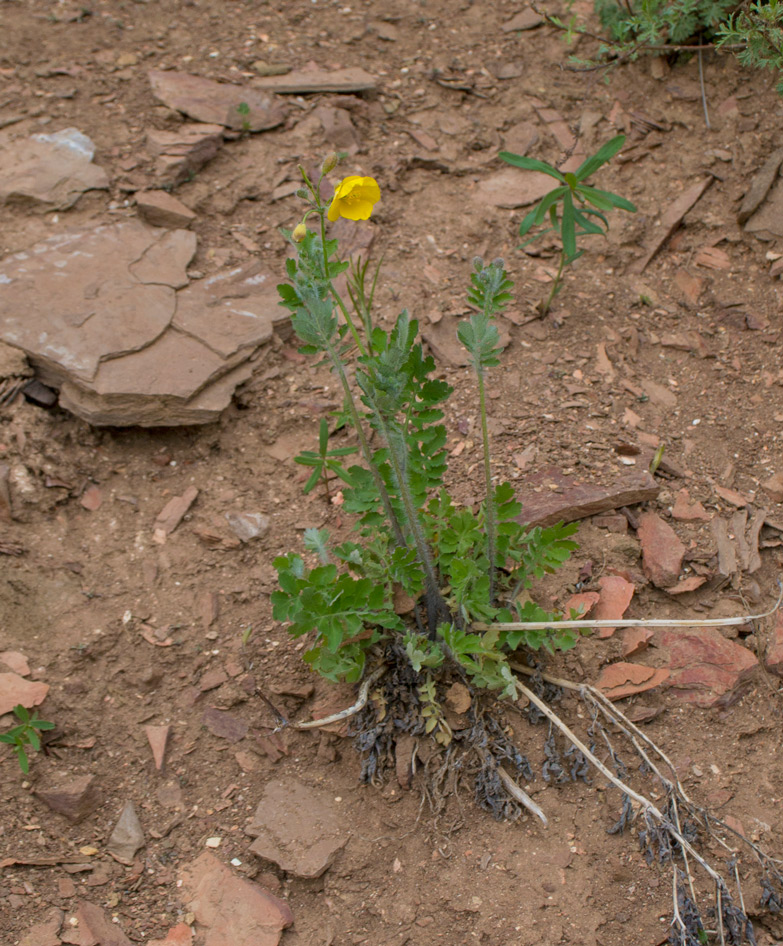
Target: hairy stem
[545,306]
[489,510]
[333,291]
[388,509]
[436,606]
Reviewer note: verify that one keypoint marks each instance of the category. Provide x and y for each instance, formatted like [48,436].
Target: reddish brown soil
[76,600]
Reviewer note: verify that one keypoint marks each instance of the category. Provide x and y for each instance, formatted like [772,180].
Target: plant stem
[388,509]
[335,294]
[436,606]
[544,306]
[489,507]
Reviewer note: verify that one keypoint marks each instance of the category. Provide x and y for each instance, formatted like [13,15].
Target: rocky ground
[152,399]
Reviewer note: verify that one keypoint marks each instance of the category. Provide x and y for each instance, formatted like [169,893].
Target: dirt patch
[130,632]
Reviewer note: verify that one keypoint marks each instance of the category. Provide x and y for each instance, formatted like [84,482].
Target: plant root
[672,831]
[361,702]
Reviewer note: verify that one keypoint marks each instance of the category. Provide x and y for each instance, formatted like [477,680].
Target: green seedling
[573,208]
[244,110]
[325,461]
[25,736]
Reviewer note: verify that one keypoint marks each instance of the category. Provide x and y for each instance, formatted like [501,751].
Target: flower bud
[304,193]
[499,263]
[478,263]
[330,162]
[300,232]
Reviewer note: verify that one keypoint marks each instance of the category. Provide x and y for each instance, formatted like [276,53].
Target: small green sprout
[567,207]
[25,735]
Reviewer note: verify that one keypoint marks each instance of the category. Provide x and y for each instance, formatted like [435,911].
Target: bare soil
[90,582]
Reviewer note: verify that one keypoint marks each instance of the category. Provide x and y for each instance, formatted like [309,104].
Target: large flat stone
[109,317]
[297,827]
[181,154]
[303,81]
[71,301]
[662,550]
[513,187]
[49,171]
[233,911]
[217,103]
[227,325]
[705,667]
[551,496]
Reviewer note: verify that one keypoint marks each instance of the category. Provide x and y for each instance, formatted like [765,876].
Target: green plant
[456,565]
[25,736]
[429,592]
[567,207]
[752,30]
[633,27]
[244,110]
[324,461]
[757,29]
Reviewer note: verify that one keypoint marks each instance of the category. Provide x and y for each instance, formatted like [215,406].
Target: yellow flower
[354,198]
[300,232]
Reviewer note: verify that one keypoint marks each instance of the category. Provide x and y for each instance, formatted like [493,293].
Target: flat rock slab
[160,209]
[234,911]
[49,171]
[760,184]
[552,496]
[97,929]
[767,222]
[304,81]
[670,220]
[15,690]
[297,828]
[110,318]
[773,659]
[513,187]
[705,667]
[218,103]
[619,680]
[45,933]
[662,550]
[182,153]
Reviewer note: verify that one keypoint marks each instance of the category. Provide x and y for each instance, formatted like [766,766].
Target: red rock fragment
[634,640]
[44,933]
[212,679]
[732,496]
[583,602]
[685,511]
[690,286]
[172,514]
[662,551]
[179,935]
[773,659]
[234,911]
[15,662]
[92,498]
[158,736]
[96,929]
[705,666]
[552,496]
[222,724]
[75,798]
[773,487]
[691,583]
[616,594]
[15,690]
[621,679]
